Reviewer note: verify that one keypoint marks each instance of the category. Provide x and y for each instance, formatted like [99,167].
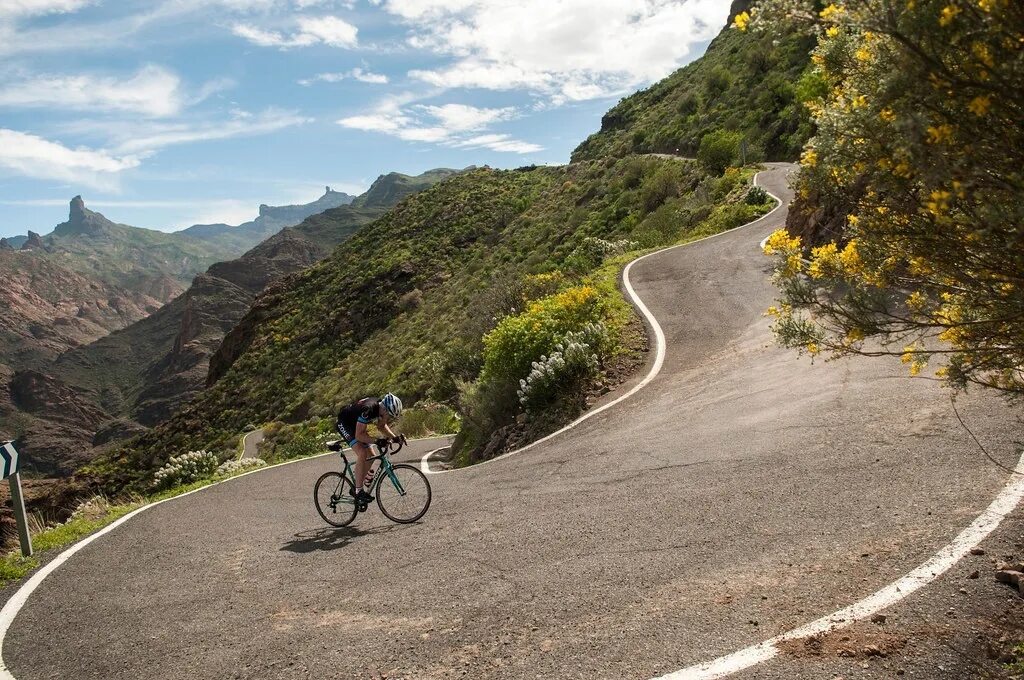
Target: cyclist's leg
[362,452]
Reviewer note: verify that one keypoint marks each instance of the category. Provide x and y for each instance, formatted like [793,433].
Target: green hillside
[146,371]
[407,302]
[752,85]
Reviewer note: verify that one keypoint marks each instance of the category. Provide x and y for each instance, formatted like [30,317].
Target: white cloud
[446,124]
[145,138]
[460,117]
[566,50]
[152,91]
[33,156]
[28,8]
[355,74]
[497,142]
[327,30]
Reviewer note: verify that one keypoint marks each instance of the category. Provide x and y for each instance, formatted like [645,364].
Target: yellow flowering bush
[920,145]
[521,339]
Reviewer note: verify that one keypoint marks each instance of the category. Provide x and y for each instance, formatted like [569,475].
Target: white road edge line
[939,563]
[17,601]
[659,336]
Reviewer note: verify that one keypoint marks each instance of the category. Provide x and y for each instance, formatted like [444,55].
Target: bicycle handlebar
[398,442]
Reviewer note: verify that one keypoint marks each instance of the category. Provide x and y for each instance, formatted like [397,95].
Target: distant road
[251,444]
[743,492]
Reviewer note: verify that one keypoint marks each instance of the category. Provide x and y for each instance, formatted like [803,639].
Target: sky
[168,113]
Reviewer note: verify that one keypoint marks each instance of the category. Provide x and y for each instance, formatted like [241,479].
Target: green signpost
[10,460]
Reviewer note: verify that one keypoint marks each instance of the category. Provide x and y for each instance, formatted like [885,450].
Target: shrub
[573,363]
[427,419]
[185,469]
[657,190]
[914,184]
[757,196]
[718,150]
[235,466]
[518,340]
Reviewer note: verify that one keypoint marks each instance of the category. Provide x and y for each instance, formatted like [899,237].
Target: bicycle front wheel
[333,500]
[403,495]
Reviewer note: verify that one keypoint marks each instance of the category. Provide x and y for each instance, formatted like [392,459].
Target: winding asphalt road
[743,492]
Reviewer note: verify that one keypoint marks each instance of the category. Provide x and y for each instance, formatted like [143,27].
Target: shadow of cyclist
[328,538]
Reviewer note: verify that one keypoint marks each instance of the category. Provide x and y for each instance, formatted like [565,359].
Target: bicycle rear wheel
[332,496]
[404,494]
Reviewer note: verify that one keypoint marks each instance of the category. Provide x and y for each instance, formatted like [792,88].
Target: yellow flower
[939,134]
[823,260]
[832,32]
[948,14]
[939,203]
[742,21]
[812,348]
[917,301]
[810,158]
[887,114]
[831,12]
[781,242]
[979,106]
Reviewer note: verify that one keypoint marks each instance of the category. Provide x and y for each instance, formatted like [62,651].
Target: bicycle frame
[386,469]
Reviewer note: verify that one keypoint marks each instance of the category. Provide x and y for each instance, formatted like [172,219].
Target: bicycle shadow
[330,538]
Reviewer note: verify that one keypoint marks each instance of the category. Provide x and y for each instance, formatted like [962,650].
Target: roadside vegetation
[478,278]
[747,88]
[917,168]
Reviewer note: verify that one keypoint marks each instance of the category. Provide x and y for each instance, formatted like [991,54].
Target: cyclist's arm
[362,434]
[383,427]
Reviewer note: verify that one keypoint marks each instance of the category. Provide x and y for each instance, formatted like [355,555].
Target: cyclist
[352,422]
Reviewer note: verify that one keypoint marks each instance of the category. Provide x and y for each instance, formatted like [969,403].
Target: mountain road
[743,492]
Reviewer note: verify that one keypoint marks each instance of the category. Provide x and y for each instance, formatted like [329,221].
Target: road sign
[9,457]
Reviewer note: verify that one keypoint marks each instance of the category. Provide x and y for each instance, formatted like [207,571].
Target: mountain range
[74,384]
[213,359]
[409,314]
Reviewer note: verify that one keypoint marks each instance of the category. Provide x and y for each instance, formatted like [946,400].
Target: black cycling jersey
[363,411]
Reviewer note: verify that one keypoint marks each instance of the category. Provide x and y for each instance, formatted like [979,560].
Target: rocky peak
[34,242]
[5,244]
[81,220]
[77,213]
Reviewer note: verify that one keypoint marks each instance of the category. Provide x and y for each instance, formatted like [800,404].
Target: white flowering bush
[235,466]
[602,248]
[574,361]
[185,469]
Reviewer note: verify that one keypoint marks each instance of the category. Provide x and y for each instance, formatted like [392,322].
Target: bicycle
[404,499]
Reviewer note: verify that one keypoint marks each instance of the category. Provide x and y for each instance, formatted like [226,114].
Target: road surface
[742,493]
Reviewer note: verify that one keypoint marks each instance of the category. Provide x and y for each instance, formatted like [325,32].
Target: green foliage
[918,160]
[743,84]
[288,442]
[427,419]
[566,372]
[519,340]
[719,150]
[482,249]
[757,196]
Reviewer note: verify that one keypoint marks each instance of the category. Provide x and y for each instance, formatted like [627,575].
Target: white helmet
[392,404]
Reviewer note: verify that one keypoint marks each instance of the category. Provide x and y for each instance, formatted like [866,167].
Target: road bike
[402,491]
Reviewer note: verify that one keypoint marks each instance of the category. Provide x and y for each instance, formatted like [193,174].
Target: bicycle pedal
[362,507]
